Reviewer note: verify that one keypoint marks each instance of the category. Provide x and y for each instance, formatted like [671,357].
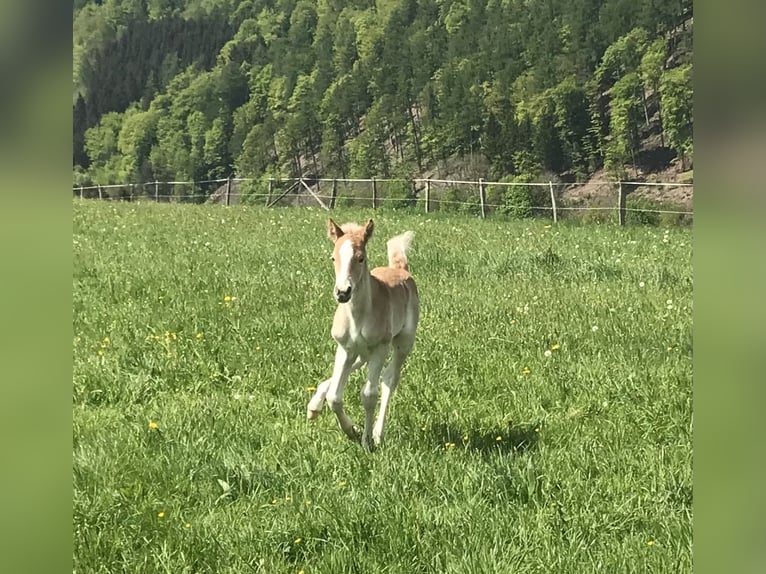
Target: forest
[201,89]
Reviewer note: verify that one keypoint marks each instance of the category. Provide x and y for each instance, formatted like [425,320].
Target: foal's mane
[351,227]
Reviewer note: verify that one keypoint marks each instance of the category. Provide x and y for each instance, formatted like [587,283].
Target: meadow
[543,422]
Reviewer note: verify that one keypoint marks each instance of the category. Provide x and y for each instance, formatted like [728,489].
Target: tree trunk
[643,101]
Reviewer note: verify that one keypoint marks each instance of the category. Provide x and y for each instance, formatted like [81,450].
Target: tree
[625,117]
[676,96]
[651,68]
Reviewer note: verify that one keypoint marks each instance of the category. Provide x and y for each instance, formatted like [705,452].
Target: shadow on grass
[514,439]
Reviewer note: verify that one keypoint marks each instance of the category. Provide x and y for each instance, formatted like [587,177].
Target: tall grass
[543,422]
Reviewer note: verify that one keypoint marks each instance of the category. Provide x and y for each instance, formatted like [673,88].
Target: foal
[376,311]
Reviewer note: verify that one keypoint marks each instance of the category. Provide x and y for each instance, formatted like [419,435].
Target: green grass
[577,462]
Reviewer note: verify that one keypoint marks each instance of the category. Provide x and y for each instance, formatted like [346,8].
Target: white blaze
[343,278]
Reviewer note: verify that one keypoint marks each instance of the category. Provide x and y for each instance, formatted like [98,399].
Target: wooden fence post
[132,187]
[100,196]
[428,193]
[482,198]
[621,202]
[156,191]
[334,193]
[80,192]
[374,193]
[228,191]
[553,203]
[271,189]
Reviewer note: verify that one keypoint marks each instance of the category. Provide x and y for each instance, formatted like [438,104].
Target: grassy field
[543,423]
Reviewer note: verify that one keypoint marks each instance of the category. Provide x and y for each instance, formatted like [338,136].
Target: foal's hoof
[311,415]
[354,435]
[368,444]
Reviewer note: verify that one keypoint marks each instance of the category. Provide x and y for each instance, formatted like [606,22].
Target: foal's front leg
[344,363]
[369,394]
[317,400]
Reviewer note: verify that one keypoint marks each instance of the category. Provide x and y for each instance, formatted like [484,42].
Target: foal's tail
[397,250]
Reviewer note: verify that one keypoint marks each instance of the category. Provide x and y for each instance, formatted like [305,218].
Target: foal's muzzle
[343,296]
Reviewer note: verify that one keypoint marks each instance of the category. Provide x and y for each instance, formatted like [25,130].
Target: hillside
[500,89]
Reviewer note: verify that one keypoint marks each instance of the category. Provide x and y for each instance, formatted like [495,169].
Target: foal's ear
[333,231]
[368,229]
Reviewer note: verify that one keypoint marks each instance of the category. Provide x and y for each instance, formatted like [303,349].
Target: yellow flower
[100,352]
[546,227]
[465,438]
[311,389]
[187,525]
[106,341]
[227,299]
[153,425]
[160,515]
[301,571]
[341,484]
[257,347]
[449,444]
[537,429]
[498,438]
[198,335]
[297,540]
[526,370]
[555,346]
[275,501]
[650,543]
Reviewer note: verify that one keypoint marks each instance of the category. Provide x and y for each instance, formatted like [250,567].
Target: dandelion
[526,371]
[100,352]
[275,501]
[650,543]
[641,284]
[594,328]
[187,525]
[257,347]
[465,438]
[153,425]
[423,428]
[160,514]
[227,299]
[537,429]
[106,342]
[311,389]
[498,438]
[341,484]
[298,540]
[198,336]
[555,347]
[449,444]
[546,227]
[547,353]
[301,571]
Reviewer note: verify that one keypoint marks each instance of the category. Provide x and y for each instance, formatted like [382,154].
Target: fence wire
[556,199]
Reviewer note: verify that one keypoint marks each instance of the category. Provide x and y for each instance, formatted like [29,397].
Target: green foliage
[489,440]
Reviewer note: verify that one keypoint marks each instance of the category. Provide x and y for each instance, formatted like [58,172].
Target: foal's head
[349,256]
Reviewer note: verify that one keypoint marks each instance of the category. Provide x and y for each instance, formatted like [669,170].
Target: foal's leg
[343,364]
[317,400]
[402,344]
[369,394]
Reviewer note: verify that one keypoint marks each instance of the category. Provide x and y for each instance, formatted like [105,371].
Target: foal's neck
[361,298]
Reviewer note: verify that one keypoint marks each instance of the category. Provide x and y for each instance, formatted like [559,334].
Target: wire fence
[601,201]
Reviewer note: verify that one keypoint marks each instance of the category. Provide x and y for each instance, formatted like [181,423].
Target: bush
[399,195]
[642,217]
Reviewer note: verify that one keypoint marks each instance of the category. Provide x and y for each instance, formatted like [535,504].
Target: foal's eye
[332,257]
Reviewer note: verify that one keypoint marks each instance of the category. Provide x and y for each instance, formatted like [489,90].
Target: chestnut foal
[377,310]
